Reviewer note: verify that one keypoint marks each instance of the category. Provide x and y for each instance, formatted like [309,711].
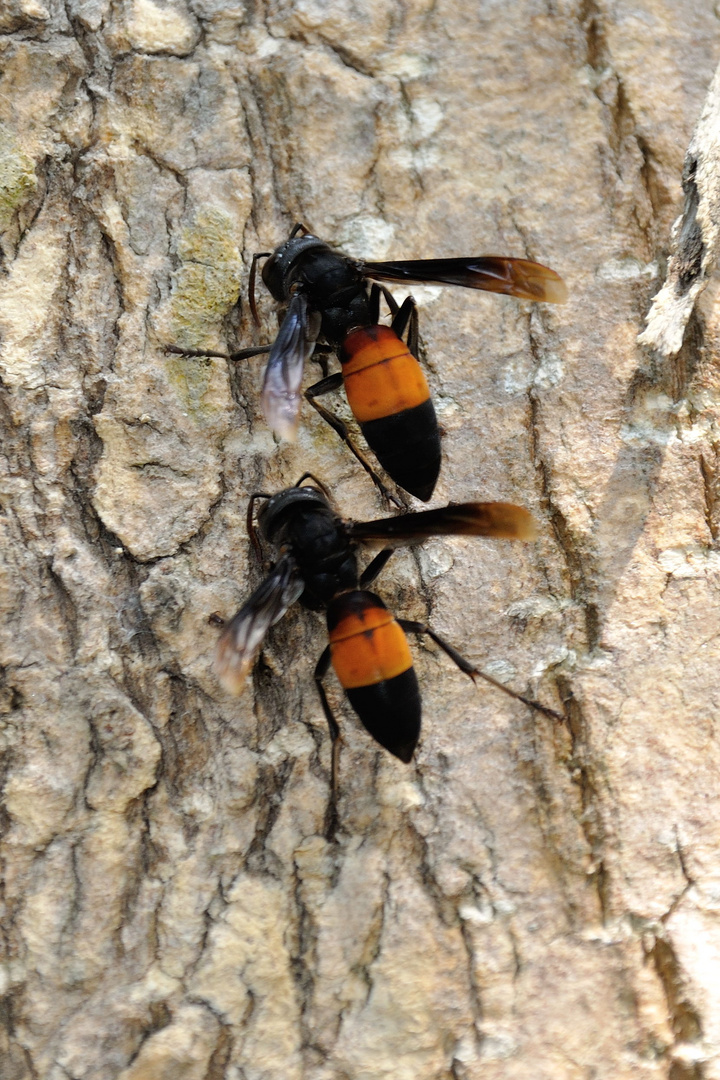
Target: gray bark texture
[527,899]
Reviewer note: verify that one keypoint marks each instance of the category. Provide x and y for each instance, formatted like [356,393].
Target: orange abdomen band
[381,375]
[368,647]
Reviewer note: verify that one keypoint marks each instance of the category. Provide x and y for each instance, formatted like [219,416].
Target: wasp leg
[374,568]
[402,316]
[376,291]
[321,670]
[390,301]
[334,382]
[320,356]
[195,353]
[241,354]
[466,667]
[407,316]
[247,354]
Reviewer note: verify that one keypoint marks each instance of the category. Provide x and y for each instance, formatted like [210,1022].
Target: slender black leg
[466,667]
[320,356]
[413,338]
[376,291]
[241,354]
[402,317]
[374,568]
[331,382]
[407,316]
[298,227]
[390,301]
[321,670]
[374,301]
[334,382]
[321,352]
[248,354]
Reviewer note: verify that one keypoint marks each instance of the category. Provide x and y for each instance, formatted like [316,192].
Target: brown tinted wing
[496,519]
[493,273]
[243,636]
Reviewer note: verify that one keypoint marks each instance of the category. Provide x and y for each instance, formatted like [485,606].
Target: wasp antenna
[251,283]
[317,482]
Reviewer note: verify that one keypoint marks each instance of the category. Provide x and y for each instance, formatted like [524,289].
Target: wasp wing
[495,519]
[294,344]
[241,639]
[493,273]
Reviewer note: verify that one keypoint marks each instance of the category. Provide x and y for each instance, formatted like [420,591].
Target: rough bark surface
[527,899]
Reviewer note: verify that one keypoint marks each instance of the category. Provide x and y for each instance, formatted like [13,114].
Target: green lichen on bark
[18,180]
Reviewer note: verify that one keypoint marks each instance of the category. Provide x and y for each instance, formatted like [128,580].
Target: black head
[275,512]
[282,269]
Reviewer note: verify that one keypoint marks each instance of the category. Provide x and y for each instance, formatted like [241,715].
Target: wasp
[335,300]
[317,564]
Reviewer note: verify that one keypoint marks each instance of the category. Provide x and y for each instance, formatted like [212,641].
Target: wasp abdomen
[381,375]
[389,396]
[372,660]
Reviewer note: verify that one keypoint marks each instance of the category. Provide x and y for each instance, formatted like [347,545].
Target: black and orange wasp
[335,300]
[317,564]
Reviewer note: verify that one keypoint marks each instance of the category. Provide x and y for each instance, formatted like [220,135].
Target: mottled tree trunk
[527,899]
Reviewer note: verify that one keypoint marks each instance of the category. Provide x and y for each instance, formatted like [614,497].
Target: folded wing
[504,521]
[281,392]
[493,273]
[241,639]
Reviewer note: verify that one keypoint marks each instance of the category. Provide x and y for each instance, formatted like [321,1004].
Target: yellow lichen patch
[192,378]
[17,176]
[205,288]
[207,284]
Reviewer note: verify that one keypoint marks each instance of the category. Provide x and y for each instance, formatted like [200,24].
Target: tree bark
[527,898]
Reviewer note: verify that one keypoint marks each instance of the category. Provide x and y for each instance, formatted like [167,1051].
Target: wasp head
[284,266]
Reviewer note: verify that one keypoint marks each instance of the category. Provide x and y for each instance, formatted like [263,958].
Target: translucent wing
[294,344]
[496,519]
[241,639]
[493,273]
